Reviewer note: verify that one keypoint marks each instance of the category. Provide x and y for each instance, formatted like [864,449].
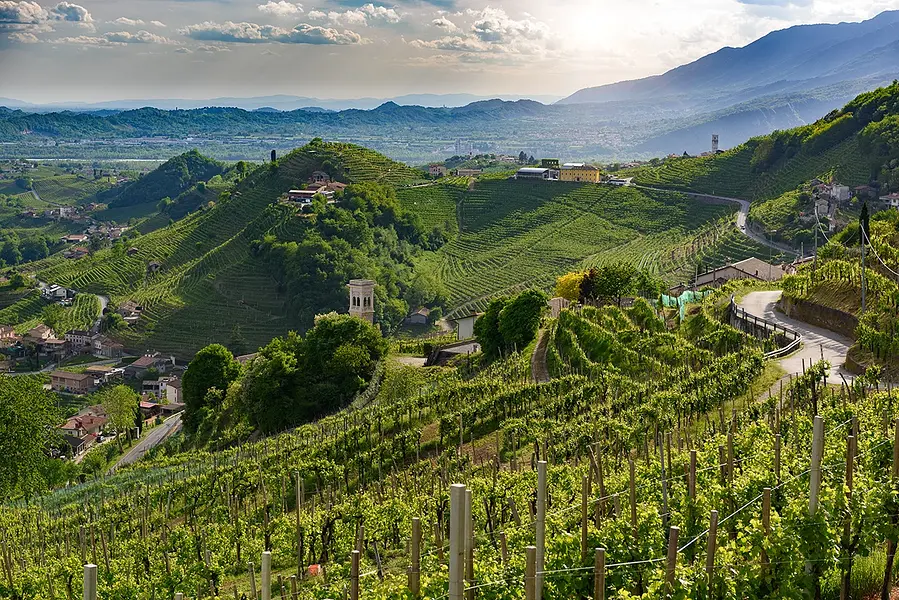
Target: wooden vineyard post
[457,535]
[266,575]
[766,524]
[293,587]
[253,594]
[673,534]
[846,582]
[777,444]
[585,493]
[503,548]
[632,493]
[817,455]
[692,481]
[90,582]
[530,569]
[541,529]
[415,569]
[599,574]
[299,494]
[710,551]
[354,575]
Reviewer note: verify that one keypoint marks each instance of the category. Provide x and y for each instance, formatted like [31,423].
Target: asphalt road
[152,439]
[816,341]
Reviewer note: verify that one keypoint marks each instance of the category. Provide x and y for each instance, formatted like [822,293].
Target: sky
[96,50]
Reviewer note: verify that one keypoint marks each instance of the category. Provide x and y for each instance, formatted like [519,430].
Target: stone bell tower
[362,299]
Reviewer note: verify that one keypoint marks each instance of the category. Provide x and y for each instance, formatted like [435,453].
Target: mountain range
[785,79]
[278,102]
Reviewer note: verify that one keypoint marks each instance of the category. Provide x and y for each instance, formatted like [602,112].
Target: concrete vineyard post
[541,528]
[415,569]
[766,522]
[530,569]
[253,594]
[817,455]
[585,492]
[777,443]
[599,574]
[90,582]
[673,535]
[179,596]
[457,535]
[266,575]
[503,548]
[354,575]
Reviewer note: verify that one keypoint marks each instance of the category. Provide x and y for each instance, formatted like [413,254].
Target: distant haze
[90,51]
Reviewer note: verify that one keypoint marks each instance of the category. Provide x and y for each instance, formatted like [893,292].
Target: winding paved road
[742,217]
[816,341]
[156,436]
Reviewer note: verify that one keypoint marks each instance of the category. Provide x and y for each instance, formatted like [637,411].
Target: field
[516,235]
[617,451]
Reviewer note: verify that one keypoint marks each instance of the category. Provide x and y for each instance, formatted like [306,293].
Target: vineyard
[730,174]
[516,235]
[625,449]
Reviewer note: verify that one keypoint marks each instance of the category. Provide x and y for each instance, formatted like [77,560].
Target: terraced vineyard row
[435,204]
[730,174]
[621,448]
[519,234]
[68,189]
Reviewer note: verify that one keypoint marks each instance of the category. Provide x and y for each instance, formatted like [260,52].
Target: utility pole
[864,286]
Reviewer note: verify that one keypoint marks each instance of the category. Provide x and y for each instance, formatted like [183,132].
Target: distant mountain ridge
[795,59]
[279,102]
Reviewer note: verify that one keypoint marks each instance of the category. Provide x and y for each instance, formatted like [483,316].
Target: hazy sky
[91,50]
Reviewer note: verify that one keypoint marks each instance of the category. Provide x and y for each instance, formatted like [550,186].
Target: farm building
[436,170]
[78,338]
[103,346]
[465,326]
[142,365]
[580,172]
[320,177]
[76,383]
[536,173]
[419,317]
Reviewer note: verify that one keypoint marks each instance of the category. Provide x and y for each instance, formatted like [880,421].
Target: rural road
[742,217]
[816,341]
[155,437]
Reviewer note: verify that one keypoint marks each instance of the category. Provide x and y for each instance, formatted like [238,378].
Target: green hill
[209,284]
[169,180]
[855,145]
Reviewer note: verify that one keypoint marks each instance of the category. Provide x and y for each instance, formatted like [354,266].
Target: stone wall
[823,316]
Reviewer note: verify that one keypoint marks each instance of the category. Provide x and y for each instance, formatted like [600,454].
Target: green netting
[683,300]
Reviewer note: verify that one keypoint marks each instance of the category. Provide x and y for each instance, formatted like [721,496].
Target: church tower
[362,299]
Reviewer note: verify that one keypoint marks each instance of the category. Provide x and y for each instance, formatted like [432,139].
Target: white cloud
[114,38]
[281,8]
[128,22]
[157,23]
[254,33]
[492,30]
[141,37]
[21,13]
[23,37]
[446,24]
[73,13]
[210,49]
[86,40]
[367,14]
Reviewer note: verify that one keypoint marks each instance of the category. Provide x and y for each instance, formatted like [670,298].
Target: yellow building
[580,172]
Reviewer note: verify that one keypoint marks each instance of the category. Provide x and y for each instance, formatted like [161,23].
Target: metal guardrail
[775,329]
